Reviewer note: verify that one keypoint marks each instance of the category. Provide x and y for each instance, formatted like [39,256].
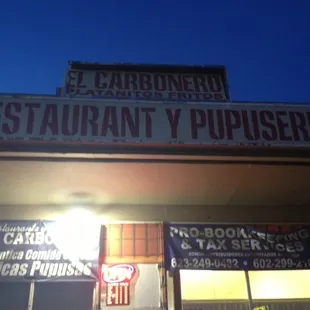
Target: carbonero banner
[46,251]
[146,82]
[233,247]
[109,122]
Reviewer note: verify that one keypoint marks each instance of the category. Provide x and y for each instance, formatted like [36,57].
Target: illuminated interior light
[231,285]
[76,234]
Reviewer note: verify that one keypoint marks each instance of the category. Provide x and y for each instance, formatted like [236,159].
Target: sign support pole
[31,295]
[248,286]
[177,290]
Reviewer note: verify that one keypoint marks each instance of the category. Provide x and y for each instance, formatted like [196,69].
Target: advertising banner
[233,247]
[47,251]
[62,120]
[145,85]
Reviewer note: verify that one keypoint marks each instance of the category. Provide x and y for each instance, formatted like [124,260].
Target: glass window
[292,284]
[133,243]
[14,296]
[144,290]
[63,296]
[200,285]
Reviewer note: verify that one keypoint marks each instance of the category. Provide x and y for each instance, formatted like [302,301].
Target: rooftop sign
[146,82]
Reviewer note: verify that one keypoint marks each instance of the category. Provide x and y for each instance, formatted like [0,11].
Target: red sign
[118,294]
[109,122]
[145,86]
[117,279]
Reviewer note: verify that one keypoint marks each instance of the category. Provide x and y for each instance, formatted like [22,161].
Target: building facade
[147,187]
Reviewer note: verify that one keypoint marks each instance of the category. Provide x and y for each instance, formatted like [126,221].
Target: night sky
[265,44]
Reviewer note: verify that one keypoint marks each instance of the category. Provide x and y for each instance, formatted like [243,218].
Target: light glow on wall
[76,234]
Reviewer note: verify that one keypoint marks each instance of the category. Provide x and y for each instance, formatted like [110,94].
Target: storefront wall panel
[141,246]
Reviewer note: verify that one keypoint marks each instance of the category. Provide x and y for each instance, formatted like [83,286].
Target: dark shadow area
[14,296]
[63,296]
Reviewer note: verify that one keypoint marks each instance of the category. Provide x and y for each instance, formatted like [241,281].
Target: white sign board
[110,122]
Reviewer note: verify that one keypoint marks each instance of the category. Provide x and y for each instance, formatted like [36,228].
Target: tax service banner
[236,247]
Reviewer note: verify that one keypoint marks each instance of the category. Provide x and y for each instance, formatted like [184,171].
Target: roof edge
[135,67]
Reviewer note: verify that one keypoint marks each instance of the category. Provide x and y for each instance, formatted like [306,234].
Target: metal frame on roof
[198,69]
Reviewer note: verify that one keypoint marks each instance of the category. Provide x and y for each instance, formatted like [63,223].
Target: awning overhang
[156,187]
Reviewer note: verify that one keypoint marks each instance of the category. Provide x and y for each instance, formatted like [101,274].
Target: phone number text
[204,263]
[239,264]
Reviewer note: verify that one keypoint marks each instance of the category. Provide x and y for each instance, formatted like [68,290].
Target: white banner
[152,123]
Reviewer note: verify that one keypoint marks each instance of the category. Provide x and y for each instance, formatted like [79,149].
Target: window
[134,243]
[198,285]
[291,284]
[145,289]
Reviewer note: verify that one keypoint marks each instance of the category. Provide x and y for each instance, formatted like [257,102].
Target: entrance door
[63,296]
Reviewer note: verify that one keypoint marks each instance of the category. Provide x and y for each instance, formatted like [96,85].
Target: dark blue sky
[265,44]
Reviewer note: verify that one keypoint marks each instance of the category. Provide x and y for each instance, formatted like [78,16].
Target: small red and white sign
[144,86]
[118,273]
[75,121]
[117,279]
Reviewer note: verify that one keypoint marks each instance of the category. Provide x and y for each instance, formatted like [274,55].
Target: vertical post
[31,295]
[165,288]
[164,272]
[102,260]
[96,296]
[99,291]
[177,290]
[248,286]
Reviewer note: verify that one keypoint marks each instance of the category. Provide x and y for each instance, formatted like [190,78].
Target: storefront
[92,178]
[52,264]
[153,266]
[238,266]
[77,263]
